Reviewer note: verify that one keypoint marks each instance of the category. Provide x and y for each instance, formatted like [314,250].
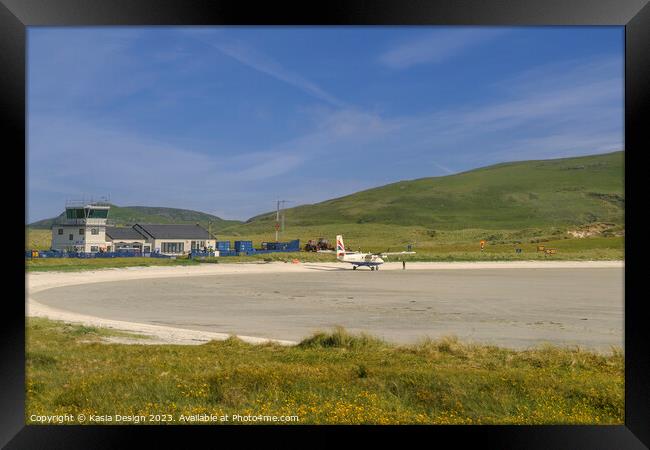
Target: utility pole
[277,218]
[209,233]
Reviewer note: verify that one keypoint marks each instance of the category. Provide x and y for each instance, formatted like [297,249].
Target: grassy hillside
[128,215]
[520,204]
[560,192]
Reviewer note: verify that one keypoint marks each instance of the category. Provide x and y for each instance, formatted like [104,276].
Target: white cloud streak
[67,157]
[437,46]
[265,64]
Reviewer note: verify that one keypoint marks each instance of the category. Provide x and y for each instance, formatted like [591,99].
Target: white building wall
[187,244]
[84,242]
[62,241]
[95,242]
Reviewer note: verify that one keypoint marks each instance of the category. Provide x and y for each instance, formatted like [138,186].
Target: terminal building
[84,228]
[126,238]
[176,239]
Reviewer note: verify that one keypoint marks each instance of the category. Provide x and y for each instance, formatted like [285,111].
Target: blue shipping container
[243,245]
[291,246]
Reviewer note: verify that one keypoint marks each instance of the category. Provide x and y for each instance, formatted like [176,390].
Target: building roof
[123,233]
[173,231]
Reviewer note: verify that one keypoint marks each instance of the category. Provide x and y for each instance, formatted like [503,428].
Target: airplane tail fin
[340,247]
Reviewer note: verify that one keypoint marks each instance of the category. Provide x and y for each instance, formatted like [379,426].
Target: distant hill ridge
[512,195]
[129,215]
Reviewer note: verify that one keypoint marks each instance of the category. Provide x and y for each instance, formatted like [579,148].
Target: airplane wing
[396,253]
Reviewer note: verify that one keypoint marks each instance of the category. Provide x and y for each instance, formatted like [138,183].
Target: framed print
[417,218]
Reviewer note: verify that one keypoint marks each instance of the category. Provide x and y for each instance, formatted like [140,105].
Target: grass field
[329,378]
[430,245]
[36,239]
[434,245]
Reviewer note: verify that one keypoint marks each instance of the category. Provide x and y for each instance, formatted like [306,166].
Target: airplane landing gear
[354,267]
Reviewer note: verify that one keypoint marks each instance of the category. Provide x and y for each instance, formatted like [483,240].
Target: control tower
[82,228]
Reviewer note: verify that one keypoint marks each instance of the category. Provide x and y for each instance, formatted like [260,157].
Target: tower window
[71,237]
[81,231]
[98,213]
[60,231]
[94,231]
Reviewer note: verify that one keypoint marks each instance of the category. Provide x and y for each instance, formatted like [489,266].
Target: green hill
[128,215]
[553,202]
[545,193]
[516,195]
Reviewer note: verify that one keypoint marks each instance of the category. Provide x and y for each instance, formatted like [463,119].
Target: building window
[81,231]
[76,213]
[98,213]
[173,247]
[94,231]
[198,245]
[94,248]
[71,237]
[60,231]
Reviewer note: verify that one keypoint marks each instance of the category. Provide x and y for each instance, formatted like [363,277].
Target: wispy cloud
[560,144]
[447,170]
[71,156]
[137,169]
[565,115]
[437,46]
[253,58]
[268,164]
[82,71]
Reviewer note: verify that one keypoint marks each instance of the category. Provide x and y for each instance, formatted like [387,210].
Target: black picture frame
[634,15]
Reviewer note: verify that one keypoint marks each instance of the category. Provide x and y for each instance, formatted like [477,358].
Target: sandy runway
[513,304]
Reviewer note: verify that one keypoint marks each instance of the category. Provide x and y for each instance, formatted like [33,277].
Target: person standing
[403,265]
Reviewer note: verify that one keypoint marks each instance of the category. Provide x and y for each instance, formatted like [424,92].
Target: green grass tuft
[340,338]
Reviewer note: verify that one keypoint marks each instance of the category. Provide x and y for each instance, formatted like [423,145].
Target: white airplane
[372,260]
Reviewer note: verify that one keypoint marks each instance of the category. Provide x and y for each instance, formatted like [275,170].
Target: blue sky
[226,120]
